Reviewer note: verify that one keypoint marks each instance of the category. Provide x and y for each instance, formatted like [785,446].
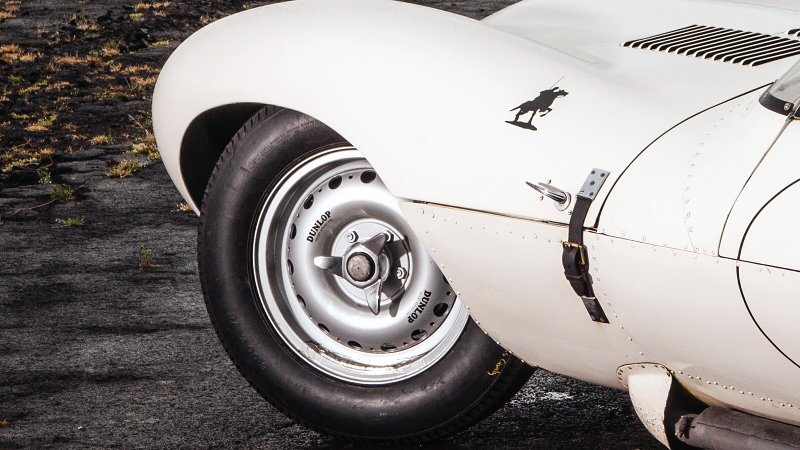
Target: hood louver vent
[721,44]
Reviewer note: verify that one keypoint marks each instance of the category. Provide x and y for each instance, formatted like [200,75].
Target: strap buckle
[581,250]
[577,272]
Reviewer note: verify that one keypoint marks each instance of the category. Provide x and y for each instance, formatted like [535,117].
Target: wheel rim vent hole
[335,182]
[354,344]
[290,266]
[302,301]
[440,309]
[388,347]
[368,177]
[292,232]
[419,335]
[309,202]
[324,328]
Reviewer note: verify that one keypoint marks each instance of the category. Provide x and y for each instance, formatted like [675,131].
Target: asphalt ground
[96,352]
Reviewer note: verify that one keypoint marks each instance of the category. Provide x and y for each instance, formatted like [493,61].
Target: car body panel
[679,192]
[417,90]
[684,311]
[525,303]
[779,169]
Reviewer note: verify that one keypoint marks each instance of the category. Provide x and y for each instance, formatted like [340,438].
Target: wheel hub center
[360,267]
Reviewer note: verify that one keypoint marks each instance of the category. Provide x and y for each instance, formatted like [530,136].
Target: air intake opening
[722,44]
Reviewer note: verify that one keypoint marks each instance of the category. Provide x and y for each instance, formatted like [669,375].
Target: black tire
[472,379]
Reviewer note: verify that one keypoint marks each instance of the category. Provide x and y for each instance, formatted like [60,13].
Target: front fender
[425,96]
[392,78]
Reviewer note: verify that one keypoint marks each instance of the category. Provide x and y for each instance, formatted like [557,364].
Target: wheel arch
[361,67]
[205,140]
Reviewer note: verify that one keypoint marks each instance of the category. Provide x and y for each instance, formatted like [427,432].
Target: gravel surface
[98,352]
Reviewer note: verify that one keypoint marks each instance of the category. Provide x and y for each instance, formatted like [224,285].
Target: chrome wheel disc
[343,279]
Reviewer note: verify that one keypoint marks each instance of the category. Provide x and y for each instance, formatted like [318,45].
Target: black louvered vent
[722,44]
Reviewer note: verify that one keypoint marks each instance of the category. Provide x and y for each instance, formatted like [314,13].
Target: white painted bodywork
[435,87]
[779,170]
[648,385]
[693,156]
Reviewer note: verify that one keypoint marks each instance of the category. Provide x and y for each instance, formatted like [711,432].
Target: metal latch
[562,198]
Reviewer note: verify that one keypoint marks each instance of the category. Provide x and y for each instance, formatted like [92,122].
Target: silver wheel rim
[323,206]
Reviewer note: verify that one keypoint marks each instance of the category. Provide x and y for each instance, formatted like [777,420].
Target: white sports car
[403,211]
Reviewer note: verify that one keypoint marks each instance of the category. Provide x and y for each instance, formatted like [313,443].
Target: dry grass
[43,124]
[29,57]
[114,92]
[27,152]
[9,162]
[146,6]
[58,86]
[108,48]
[13,53]
[67,61]
[124,169]
[70,222]
[141,84]
[109,51]
[36,87]
[147,147]
[103,139]
[183,207]
[87,26]
[74,60]
[9,48]
[6,15]
[134,70]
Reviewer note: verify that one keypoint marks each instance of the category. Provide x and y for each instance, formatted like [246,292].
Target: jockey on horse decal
[541,103]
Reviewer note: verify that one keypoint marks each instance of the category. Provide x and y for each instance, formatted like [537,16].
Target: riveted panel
[724,390]
[508,273]
[679,191]
[685,310]
[772,297]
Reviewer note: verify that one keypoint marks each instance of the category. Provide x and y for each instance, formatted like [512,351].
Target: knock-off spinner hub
[360,267]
